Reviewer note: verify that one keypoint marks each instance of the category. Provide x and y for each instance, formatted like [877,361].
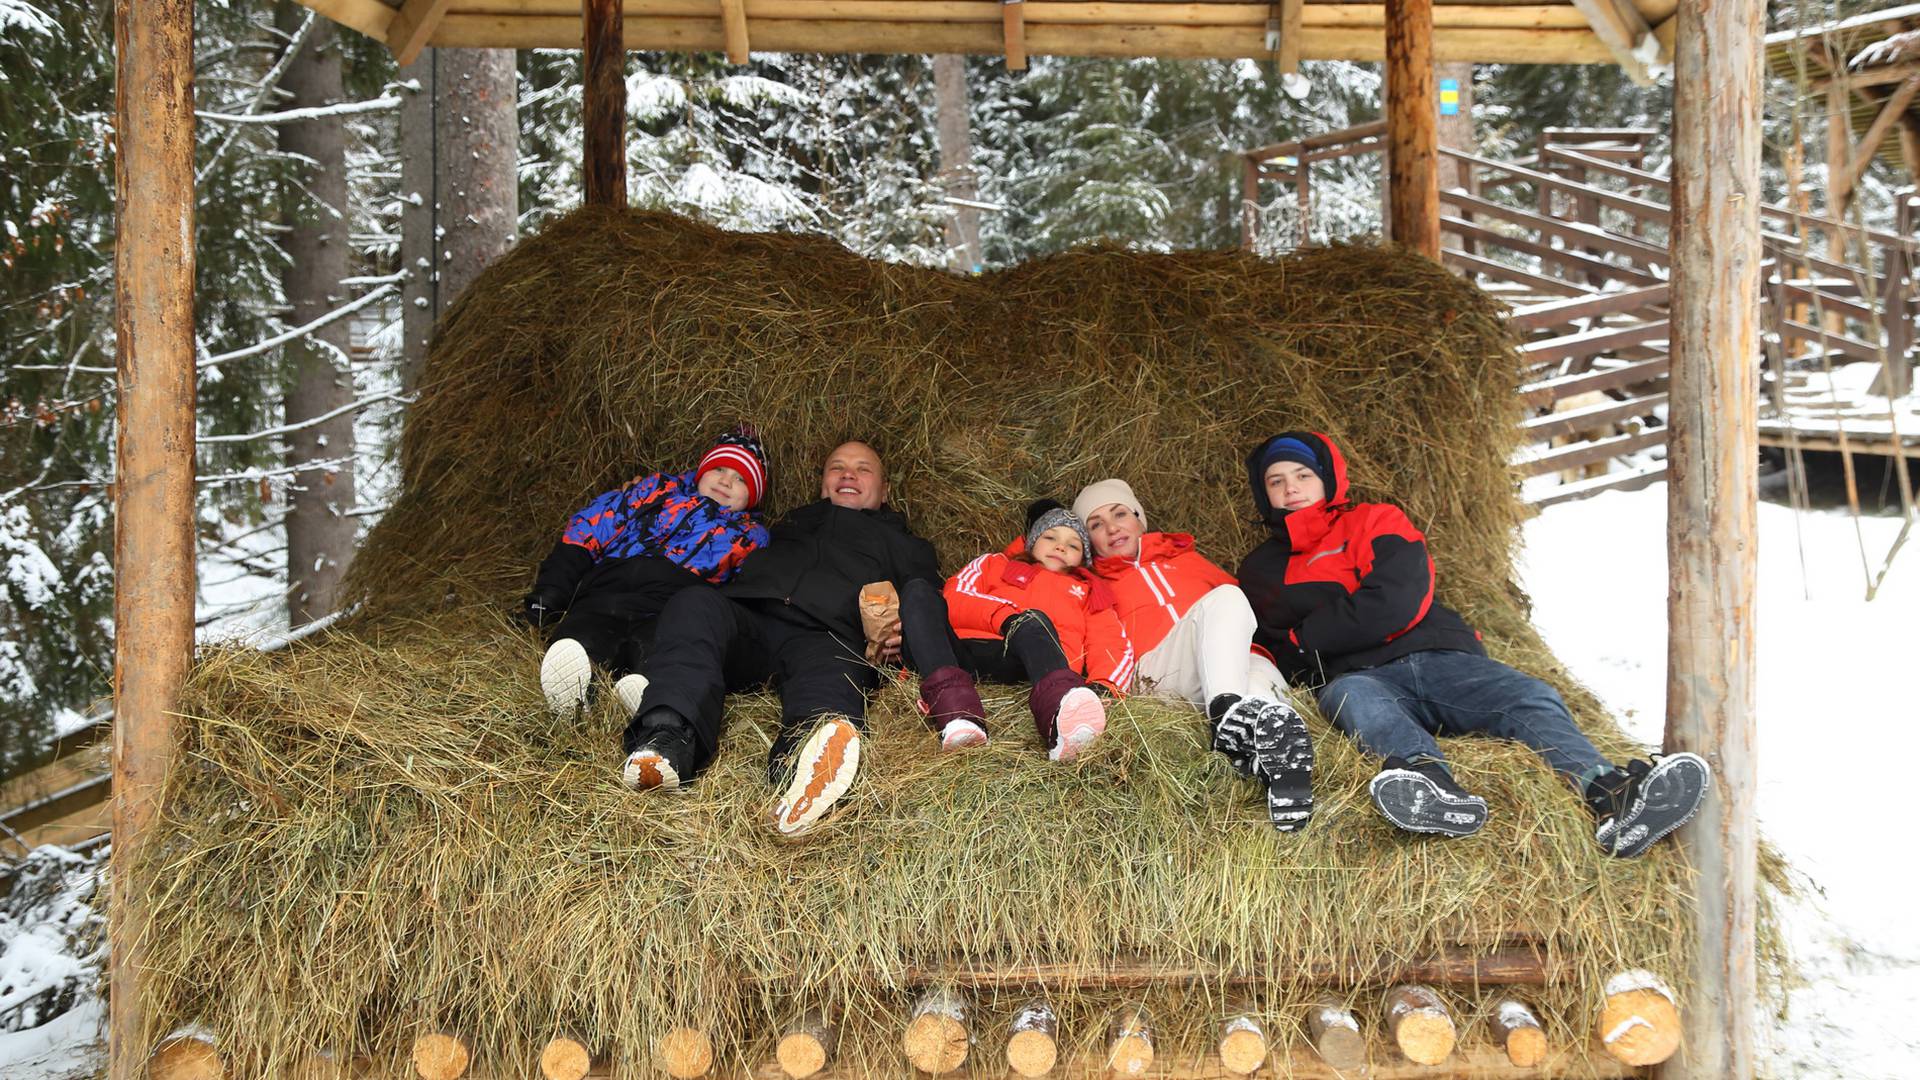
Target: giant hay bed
[379,835]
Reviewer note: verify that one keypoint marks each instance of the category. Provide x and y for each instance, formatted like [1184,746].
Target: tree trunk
[1413,187]
[320,536]
[956,160]
[459,141]
[1456,131]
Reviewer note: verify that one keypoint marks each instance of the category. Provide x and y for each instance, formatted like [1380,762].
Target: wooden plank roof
[1872,54]
[1488,31]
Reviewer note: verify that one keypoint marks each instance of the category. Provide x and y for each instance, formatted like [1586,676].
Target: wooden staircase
[1574,239]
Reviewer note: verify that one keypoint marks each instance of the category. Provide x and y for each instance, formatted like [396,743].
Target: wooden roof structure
[1638,34]
[1869,62]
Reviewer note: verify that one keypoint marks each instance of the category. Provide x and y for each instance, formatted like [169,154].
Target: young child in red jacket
[1028,613]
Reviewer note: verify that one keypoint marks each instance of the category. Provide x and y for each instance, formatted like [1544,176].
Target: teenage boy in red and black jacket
[1344,596]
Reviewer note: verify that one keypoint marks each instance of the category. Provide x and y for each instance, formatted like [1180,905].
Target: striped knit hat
[739,450]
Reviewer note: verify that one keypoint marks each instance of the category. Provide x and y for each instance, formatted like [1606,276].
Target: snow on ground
[1836,698]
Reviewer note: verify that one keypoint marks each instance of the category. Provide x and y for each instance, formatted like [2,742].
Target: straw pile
[381,832]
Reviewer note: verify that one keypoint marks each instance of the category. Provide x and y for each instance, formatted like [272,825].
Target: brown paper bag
[879,616]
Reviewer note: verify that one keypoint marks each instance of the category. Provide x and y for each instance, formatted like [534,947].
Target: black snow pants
[708,645]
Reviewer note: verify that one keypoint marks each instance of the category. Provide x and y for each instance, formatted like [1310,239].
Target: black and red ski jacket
[1341,585]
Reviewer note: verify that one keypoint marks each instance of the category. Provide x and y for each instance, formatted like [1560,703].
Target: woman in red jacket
[1027,613]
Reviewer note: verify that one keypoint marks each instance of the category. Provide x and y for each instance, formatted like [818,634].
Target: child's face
[1293,486]
[724,486]
[1058,549]
[1116,531]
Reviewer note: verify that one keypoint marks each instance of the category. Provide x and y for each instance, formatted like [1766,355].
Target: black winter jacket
[1342,586]
[821,554]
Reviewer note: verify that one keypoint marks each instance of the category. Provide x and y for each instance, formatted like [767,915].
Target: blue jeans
[1396,709]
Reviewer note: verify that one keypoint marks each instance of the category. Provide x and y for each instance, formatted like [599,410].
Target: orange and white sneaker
[823,769]
[1079,722]
[649,769]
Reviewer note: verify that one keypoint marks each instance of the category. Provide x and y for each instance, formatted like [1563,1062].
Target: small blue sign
[1449,97]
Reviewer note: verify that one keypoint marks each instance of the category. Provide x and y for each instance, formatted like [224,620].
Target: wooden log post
[441,1055]
[187,1057]
[936,1037]
[565,1057]
[1713,491]
[1517,1031]
[806,1045]
[604,109]
[153,490]
[1639,1023]
[1418,1021]
[1413,133]
[1242,1044]
[1130,1042]
[1033,1046]
[686,1053]
[1335,1034]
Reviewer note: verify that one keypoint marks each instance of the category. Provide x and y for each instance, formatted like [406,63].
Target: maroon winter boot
[1045,701]
[947,695]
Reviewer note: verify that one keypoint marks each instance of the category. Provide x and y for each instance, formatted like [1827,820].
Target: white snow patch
[1623,1027]
[20,15]
[1627,982]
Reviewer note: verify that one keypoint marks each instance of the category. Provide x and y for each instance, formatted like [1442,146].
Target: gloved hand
[543,607]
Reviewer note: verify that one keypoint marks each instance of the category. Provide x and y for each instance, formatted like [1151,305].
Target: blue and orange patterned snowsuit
[631,548]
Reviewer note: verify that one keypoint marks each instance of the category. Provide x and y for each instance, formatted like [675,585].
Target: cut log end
[186,1058]
[1419,1023]
[1243,1046]
[686,1053]
[801,1054]
[565,1058]
[936,1038]
[440,1056]
[1336,1035]
[1640,1026]
[1518,1033]
[1130,1047]
[1032,1053]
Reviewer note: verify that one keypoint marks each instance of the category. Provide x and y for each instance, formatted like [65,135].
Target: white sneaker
[823,770]
[629,690]
[1080,721]
[962,733]
[649,769]
[565,674]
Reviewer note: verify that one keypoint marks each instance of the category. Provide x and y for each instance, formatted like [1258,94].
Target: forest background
[323,257]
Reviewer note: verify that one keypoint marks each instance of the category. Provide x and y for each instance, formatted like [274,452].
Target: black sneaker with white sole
[661,752]
[1647,800]
[1283,760]
[1233,731]
[1424,798]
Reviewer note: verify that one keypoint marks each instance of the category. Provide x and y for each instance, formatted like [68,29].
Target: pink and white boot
[1067,709]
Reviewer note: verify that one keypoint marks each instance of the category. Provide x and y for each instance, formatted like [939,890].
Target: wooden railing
[1573,236]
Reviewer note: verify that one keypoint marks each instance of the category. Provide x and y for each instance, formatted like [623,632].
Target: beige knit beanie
[1105,493]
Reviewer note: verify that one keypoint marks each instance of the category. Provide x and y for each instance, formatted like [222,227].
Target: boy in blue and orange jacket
[1344,595]
[601,589]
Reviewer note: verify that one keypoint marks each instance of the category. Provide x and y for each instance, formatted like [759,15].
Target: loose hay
[381,832]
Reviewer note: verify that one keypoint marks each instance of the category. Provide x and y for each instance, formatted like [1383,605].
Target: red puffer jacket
[1154,591]
[992,588]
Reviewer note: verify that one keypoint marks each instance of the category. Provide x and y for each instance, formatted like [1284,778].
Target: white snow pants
[1208,653]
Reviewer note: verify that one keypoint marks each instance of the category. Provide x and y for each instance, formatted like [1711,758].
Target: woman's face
[1116,531]
[1058,549]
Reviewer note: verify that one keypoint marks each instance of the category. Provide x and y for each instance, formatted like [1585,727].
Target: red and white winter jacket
[994,587]
[1155,590]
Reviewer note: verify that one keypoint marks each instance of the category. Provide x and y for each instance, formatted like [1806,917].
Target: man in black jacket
[1343,592]
[791,617]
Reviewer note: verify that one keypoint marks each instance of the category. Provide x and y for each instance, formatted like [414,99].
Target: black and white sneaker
[1645,801]
[661,753]
[1283,760]
[1233,731]
[565,677]
[1424,798]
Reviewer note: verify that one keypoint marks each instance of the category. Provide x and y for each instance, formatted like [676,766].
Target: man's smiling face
[854,477]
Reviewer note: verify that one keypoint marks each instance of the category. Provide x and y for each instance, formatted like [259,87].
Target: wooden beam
[903,37]
[733,21]
[1413,134]
[1559,312]
[370,17]
[1619,25]
[412,25]
[1891,110]
[1292,22]
[1713,487]
[1873,76]
[1013,30]
[153,495]
[604,108]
